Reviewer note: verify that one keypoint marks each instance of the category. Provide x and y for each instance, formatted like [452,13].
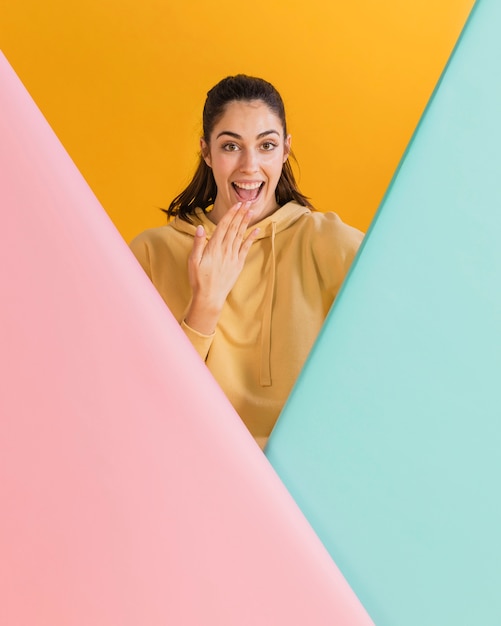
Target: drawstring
[265,371]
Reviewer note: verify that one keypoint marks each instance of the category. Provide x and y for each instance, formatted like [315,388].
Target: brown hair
[201,191]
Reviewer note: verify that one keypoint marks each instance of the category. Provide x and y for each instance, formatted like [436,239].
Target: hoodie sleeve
[140,250]
[334,248]
[145,251]
[201,343]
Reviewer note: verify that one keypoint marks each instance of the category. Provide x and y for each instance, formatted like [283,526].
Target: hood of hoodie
[282,218]
[278,221]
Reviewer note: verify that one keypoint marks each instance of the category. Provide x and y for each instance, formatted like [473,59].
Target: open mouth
[247,192]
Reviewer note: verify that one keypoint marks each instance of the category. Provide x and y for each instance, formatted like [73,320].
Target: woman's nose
[249,161]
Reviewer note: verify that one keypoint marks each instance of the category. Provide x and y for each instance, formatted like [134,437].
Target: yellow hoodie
[275,310]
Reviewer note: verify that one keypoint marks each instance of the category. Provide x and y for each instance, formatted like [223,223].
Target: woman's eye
[268,145]
[230,147]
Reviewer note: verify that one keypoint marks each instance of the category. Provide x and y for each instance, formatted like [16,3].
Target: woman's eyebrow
[237,136]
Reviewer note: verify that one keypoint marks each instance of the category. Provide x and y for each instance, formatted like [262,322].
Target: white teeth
[248,185]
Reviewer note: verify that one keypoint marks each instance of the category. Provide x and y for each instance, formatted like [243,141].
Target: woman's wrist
[203,315]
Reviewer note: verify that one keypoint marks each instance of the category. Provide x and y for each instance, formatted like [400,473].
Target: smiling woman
[247,164]
[247,266]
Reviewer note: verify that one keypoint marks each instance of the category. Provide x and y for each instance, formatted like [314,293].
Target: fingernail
[200,230]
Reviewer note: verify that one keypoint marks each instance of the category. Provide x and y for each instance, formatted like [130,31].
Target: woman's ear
[287,147]
[205,151]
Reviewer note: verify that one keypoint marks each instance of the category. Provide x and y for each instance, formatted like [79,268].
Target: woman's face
[246,152]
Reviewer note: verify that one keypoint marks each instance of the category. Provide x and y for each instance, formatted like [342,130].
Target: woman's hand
[215,265]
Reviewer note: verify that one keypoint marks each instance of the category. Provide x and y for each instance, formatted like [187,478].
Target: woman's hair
[201,191]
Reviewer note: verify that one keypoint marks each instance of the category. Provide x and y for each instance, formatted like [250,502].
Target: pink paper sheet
[131,493]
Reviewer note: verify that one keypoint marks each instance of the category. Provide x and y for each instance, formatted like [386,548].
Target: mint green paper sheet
[391,439]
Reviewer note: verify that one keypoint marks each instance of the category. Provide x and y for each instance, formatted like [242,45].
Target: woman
[247,266]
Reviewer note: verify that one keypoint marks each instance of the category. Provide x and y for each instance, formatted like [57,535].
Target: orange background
[123,83]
